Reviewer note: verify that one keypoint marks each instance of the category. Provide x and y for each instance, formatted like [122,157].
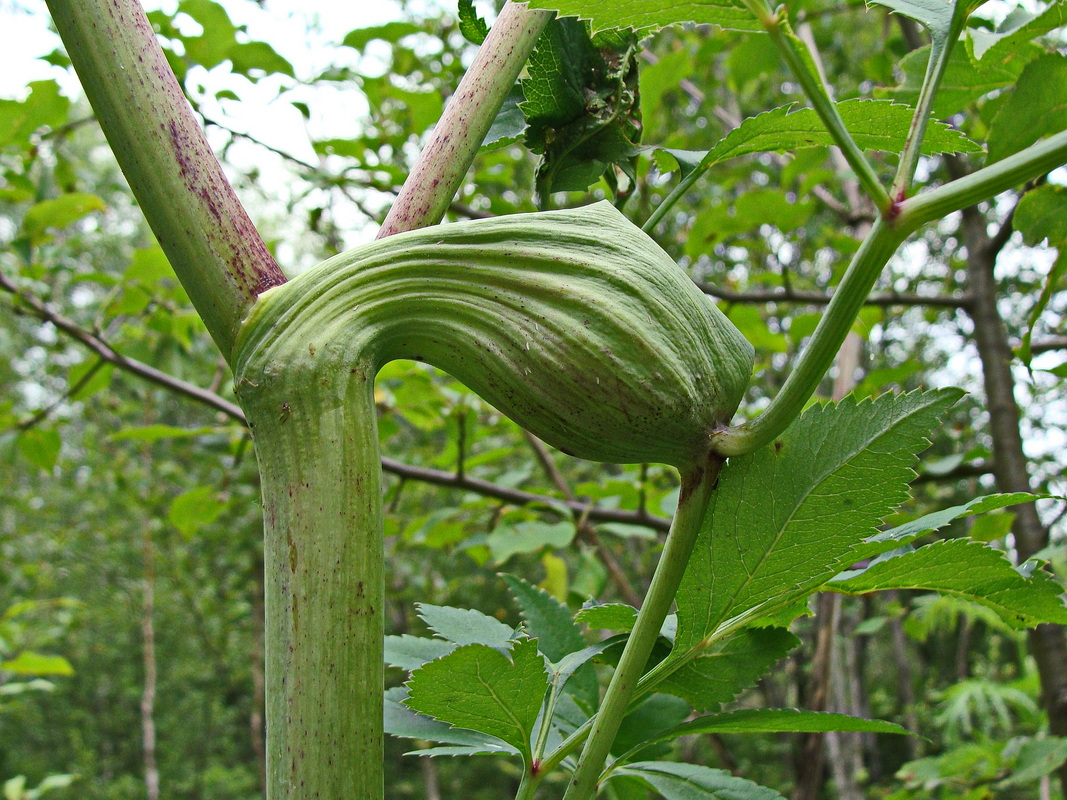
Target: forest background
[131,590]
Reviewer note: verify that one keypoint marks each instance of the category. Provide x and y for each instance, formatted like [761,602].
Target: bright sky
[25,35]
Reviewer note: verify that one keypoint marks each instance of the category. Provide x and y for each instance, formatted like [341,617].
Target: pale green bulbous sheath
[573,323]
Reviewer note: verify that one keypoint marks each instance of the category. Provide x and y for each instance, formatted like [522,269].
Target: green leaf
[788,517]
[509,125]
[886,541]
[471,25]
[1037,108]
[964,80]
[1042,214]
[874,124]
[154,433]
[1036,759]
[582,105]
[677,781]
[609,617]
[1016,30]
[95,374]
[391,32]
[730,14]
[728,666]
[480,688]
[411,652]
[402,722]
[60,212]
[530,536]
[45,107]
[777,720]
[466,626]
[935,15]
[30,663]
[551,623]
[970,570]
[41,447]
[196,507]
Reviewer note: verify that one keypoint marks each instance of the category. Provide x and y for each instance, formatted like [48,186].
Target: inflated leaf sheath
[573,323]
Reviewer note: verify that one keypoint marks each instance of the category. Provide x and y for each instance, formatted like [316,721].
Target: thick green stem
[693,502]
[1008,173]
[836,322]
[202,227]
[459,133]
[318,456]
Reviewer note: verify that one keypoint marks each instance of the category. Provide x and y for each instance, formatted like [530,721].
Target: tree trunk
[1047,642]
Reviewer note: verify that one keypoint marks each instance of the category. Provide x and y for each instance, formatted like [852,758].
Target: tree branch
[789,295]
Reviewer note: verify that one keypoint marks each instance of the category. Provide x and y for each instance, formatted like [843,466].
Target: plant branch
[459,133]
[789,295]
[987,182]
[696,491]
[215,250]
[802,65]
[879,246]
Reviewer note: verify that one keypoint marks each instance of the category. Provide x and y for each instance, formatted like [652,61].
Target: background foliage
[130,597]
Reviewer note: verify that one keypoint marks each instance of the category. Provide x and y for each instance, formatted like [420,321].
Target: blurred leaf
[40,446]
[528,537]
[1036,759]
[195,508]
[391,32]
[60,212]
[1037,108]
[44,107]
[30,663]
[154,433]
[887,541]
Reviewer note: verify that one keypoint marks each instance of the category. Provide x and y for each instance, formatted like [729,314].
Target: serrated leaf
[778,720]
[609,617]
[466,625]
[509,125]
[471,25]
[886,541]
[728,667]
[730,14]
[551,623]
[678,781]
[480,688]
[643,724]
[30,663]
[402,722]
[970,570]
[411,652]
[582,106]
[874,124]
[788,517]
[1037,108]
